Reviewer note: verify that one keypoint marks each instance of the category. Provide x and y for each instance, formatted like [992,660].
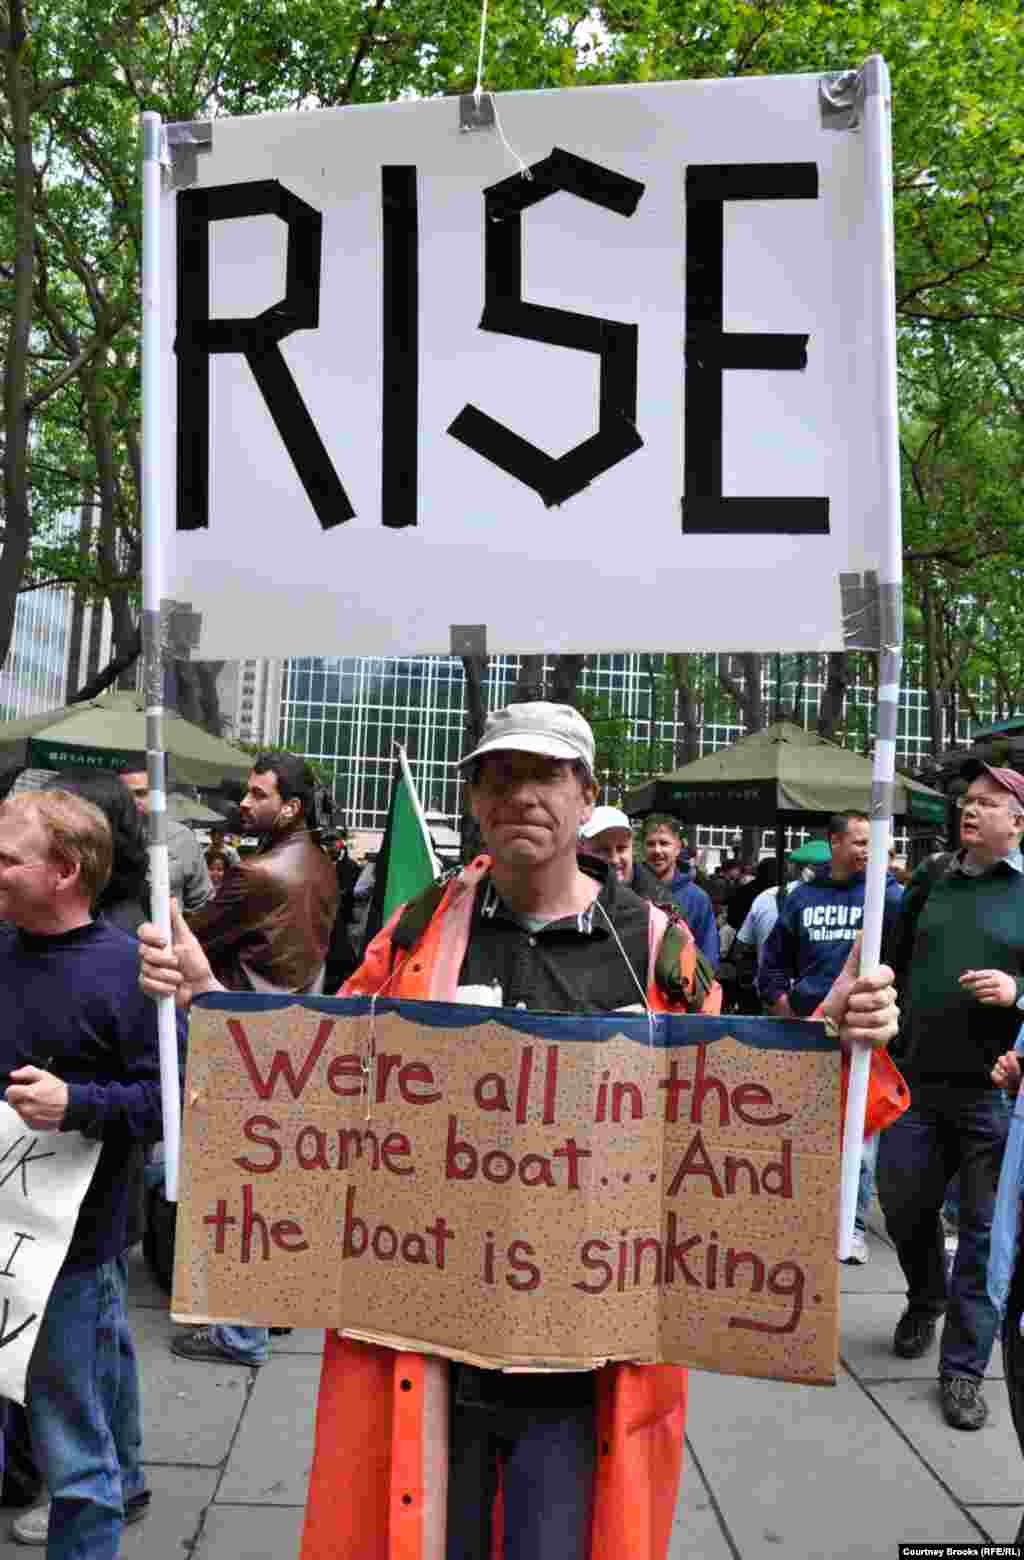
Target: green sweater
[963,923]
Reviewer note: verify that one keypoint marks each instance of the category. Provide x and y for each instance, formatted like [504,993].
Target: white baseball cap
[605,818]
[555,730]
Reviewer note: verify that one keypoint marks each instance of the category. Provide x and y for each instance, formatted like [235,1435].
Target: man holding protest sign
[81,1054]
[409,1447]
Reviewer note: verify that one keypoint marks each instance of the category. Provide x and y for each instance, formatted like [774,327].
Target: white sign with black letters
[625,403]
[43,1178]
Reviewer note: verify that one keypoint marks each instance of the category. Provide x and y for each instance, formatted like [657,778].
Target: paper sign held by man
[557,1193]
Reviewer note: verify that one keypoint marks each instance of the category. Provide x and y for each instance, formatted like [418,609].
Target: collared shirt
[1013,858]
[576,964]
[570,965]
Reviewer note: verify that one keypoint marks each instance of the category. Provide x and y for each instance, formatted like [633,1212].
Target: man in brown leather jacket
[269,927]
[267,930]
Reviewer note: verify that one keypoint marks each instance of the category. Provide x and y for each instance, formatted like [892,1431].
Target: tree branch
[110,673]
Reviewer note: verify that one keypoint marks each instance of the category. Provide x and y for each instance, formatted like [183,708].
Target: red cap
[1009,779]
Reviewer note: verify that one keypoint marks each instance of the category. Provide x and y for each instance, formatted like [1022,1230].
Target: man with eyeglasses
[958,953]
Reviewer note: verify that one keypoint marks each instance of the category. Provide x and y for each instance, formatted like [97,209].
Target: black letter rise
[199,336]
[710,351]
[505,312]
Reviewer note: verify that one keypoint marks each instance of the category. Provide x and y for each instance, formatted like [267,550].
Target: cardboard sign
[646,373]
[514,1189]
[43,1178]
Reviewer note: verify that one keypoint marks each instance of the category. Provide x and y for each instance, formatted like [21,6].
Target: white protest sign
[628,402]
[43,1178]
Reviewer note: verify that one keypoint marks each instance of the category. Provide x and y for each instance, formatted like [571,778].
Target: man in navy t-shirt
[80,1045]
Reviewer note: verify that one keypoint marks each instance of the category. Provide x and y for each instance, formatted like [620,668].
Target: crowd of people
[568,909]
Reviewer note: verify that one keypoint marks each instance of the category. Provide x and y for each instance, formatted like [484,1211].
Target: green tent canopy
[781,772]
[110,733]
[781,777]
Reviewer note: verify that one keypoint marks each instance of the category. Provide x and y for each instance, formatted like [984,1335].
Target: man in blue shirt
[73,1004]
[663,844]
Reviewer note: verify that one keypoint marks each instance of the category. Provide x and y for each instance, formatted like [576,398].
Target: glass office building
[34,675]
[348,712]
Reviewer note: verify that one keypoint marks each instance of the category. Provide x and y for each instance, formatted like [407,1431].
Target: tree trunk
[529,685]
[16,514]
[187,701]
[75,634]
[124,631]
[837,680]
[212,720]
[652,696]
[931,676]
[564,678]
[109,674]
[474,670]
[92,665]
[687,710]
[111,563]
[742,683]
[798,691]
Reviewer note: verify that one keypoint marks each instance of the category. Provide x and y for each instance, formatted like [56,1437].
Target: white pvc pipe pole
[881,326]
[152,648]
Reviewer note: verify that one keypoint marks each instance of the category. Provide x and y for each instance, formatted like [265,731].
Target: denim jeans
[547,1462]
[127,1422]
[1013,1357]
[78,1407]
[250,1344]
[946,1130]
[866,1185]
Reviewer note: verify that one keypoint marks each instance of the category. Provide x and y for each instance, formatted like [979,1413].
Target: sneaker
[202,1343]
[962,1402]
[914,1335]
[859,1253]
[32,1527]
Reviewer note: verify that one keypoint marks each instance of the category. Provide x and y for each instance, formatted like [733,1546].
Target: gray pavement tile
[180,1496]
[270,1461]
[814,1472]
[882,1275]
[248,1533]
[696,1530]
[866,1326]
[978,1466]
[190,1411]
[301,1340]
[1000,1522]
[143,1289]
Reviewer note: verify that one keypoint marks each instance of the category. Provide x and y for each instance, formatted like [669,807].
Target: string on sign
[478,93]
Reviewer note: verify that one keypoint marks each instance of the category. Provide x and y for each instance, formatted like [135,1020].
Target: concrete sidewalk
[773,1472]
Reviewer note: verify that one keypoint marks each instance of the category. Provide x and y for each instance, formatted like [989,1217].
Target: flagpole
[882,333]
[152,639]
